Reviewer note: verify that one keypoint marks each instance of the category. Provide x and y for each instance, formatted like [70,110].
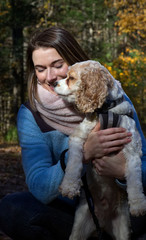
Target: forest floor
[11,173]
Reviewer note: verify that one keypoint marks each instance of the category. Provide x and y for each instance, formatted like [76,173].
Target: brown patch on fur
[71,78]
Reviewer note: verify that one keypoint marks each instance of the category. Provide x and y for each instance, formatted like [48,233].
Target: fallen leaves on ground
[11,173]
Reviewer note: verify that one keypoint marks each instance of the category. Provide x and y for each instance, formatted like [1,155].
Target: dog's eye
[70,80]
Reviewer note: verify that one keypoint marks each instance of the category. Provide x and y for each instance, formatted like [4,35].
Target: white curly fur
[88,85]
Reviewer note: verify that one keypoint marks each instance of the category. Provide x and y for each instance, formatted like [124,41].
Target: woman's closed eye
[58,64]
[40,69]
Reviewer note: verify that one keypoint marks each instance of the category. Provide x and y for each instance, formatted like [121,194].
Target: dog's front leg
[136,197]
[72,180]
[71,183]
[132,152]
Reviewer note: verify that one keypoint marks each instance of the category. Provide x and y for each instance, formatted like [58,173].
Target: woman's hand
[103,142]
[111,166]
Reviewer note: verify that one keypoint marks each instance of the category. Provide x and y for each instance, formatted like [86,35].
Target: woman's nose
[51,76]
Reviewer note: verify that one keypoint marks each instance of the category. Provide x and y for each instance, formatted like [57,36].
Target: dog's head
[86,85]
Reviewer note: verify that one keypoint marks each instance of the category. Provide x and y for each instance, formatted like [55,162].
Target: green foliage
[18,13]
[85,19]
[11,135]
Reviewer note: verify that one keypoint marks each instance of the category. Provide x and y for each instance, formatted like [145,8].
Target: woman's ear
[93,88]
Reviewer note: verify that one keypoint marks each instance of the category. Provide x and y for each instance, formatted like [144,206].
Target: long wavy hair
[64,43]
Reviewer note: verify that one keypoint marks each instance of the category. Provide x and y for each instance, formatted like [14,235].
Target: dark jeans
[22,217]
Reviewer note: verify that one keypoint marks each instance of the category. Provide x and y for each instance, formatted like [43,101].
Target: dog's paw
[138,207]
[69,193]
[70,190]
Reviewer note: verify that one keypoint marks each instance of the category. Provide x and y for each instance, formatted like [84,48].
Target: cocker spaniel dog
[91,88]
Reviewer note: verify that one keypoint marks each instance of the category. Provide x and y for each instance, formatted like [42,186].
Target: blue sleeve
[143,158]
[41,165]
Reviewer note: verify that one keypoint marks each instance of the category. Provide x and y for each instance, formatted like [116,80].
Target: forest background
[110,31]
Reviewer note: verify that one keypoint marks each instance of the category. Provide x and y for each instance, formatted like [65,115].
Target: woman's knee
[11,206]
[8,205]
[16,212]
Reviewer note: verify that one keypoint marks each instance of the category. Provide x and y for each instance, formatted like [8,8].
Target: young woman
[44,125]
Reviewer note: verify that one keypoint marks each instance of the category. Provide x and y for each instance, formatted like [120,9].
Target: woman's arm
[40,156]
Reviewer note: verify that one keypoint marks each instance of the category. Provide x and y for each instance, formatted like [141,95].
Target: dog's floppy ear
[93,90]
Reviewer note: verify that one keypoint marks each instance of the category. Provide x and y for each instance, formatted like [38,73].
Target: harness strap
[91,207]
[62,160]
[108,104]
[109,120]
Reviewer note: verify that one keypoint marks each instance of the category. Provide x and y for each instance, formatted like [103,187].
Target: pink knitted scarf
[57,113]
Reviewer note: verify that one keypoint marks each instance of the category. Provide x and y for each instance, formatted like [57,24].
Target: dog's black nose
[55,84]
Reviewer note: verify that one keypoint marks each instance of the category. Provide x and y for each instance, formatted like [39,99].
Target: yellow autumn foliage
[131,16]
[129,69]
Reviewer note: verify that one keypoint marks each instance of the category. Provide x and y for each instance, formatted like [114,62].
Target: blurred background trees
[110,31]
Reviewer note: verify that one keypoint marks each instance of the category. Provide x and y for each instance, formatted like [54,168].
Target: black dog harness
[107,118]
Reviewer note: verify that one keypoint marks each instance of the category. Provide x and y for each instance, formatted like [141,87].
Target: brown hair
[57,38]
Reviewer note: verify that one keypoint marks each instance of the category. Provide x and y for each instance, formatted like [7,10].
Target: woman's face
[49,67]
